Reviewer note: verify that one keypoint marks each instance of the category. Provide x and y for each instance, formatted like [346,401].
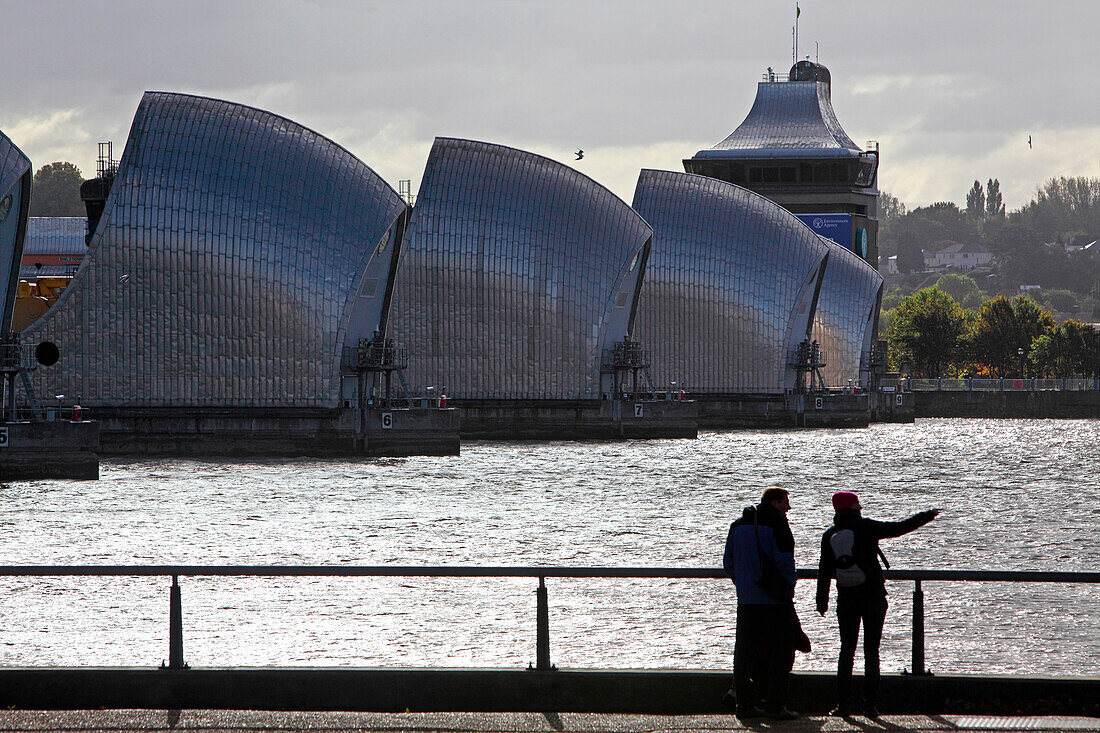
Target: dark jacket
[742,561]
[867,534]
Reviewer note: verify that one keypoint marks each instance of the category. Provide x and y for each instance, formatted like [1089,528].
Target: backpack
[848,573]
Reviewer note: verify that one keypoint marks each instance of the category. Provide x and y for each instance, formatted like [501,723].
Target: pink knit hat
[845,500]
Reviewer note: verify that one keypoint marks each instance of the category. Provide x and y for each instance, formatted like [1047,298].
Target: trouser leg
[848,616]
[874,617]
[780,655]
[745,655]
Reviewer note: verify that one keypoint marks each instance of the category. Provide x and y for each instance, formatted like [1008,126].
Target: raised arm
[881,530]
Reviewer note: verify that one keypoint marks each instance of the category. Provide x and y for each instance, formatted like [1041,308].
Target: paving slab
[245,721]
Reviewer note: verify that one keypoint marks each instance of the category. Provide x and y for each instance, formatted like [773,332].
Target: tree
[1004,330]
[890,210]
[1064,206]
[962,288]
[56,191]
[975,201]
[1070,349]
[994,206]
[927,329]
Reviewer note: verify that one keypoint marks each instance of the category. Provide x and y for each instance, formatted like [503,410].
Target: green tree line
[930,334]
[1029,245]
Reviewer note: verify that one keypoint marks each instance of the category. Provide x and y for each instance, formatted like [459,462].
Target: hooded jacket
[742,561]
[867,534]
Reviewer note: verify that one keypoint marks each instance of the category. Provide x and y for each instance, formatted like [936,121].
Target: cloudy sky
[950,90]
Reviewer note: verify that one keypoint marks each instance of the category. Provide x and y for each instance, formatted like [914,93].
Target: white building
[962,257]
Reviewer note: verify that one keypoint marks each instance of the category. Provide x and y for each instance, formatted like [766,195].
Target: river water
[1015,494]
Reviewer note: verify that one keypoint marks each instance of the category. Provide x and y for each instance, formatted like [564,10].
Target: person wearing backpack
[850,554]
[759,557]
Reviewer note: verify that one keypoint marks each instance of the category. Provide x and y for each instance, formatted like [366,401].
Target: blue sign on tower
[837,227]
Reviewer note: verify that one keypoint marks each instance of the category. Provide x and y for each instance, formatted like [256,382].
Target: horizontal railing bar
[446,571]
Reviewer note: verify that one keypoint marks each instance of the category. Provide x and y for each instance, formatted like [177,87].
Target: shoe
[729,700]
[841,712]
[870,711]
[781,713]
[749,711]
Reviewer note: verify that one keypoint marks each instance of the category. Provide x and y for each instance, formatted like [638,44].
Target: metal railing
[1008,384]
[542,624]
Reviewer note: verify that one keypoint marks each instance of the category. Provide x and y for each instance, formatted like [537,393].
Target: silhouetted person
[764,648]
[850,553]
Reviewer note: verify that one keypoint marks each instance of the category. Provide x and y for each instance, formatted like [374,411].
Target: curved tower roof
[517,273]
[15,194]
[789,119]
[846,318]
[729,288]
[237,253]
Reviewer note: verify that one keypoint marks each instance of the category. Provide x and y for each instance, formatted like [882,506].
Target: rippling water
[1016,494]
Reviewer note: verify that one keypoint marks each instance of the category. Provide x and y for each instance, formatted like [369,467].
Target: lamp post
[1020,353]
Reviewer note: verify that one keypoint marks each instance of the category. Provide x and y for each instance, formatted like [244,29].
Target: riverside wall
[487,690]
[1065,404]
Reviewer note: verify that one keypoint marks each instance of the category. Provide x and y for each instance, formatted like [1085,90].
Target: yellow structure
[33,299]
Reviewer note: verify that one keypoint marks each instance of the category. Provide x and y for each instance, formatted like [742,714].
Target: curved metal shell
[227,265]
[846,318]
[15,194]
[517,273]
[729,287]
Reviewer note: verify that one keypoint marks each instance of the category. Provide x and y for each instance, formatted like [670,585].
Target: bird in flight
[579,153]
[1029,142]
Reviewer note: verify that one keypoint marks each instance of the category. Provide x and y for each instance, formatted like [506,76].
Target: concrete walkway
[243,721]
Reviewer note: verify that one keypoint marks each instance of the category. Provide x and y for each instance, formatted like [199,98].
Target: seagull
[1029,142]
[579,153]
[124,278]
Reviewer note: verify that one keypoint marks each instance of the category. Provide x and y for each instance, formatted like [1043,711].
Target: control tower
[792,149]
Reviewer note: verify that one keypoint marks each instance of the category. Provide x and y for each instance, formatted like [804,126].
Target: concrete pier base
[577,419]
[829,410]
[897,407]
[290,432]
[58,449]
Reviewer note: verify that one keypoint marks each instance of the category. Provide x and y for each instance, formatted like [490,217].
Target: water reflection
[1016,495]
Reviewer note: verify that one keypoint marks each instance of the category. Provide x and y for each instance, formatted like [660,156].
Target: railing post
[542,628]
[175,627]
[918,630]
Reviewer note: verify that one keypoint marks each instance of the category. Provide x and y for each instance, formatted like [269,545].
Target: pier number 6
[387,420]
[3,437]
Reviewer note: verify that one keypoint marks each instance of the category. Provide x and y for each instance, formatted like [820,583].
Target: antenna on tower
[797,12]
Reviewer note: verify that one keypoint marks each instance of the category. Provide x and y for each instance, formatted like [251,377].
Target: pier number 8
[3,437]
